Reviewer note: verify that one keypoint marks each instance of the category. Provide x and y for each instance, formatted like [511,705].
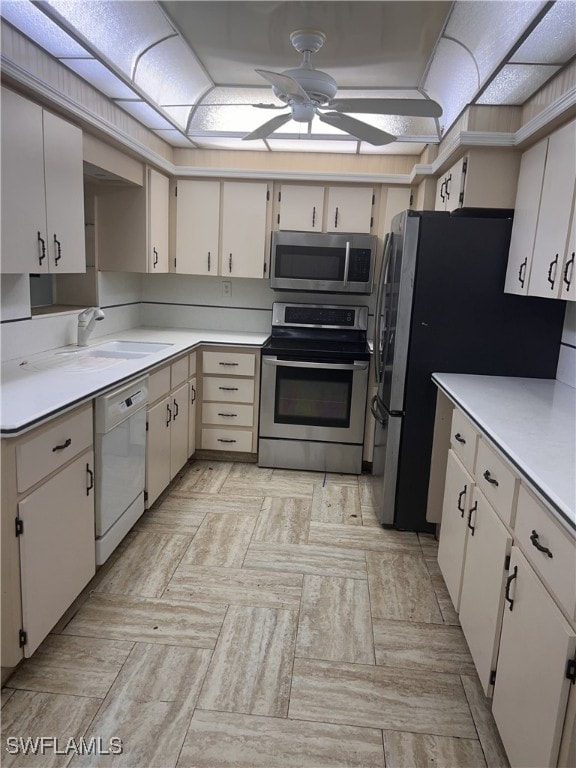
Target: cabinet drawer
[159,384]
[223,413]
[52,446]
[228,390]
[548,548]
[179,371]
[227,439]
[238,364]
[496,481]
[463,439]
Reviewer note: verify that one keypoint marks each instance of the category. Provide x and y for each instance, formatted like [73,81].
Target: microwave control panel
[359,269]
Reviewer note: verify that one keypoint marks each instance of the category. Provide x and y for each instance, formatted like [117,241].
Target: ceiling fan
[307,91]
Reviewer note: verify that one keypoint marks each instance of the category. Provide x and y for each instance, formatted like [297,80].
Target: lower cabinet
[192,400]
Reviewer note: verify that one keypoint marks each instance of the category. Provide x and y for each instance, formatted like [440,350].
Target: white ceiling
[186,69]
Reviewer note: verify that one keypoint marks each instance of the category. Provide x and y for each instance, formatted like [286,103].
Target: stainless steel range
[314,385]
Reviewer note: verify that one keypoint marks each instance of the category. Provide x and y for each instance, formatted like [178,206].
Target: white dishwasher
[120,463]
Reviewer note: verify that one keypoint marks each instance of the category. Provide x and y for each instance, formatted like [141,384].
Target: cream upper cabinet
[450,186]
[349,209]
[568,285]
[158,199]
[244,219]
[42,190]
[197,227]
[539,259]
[301,208]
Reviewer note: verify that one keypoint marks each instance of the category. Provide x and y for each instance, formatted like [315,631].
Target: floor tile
[365,488]
[150,706]
[492,746]
[317,478]
[30,714]
[400,588]
[336,504]
[433,647]
[228,740]
[202,503]
[251,480]
[358,537]
[204,477]
[163,519]
[369,517]
[235,586]
[429,545]
[83,666]
[380,697]
[252,663]
[148,620]
[283,521]
[304,558]
[419,750]
[449,614]
[7,693]
[222,539]
[146,565]
[334,621]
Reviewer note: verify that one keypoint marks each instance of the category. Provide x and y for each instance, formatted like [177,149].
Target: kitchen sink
[97,356]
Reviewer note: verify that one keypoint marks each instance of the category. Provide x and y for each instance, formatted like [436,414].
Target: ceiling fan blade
[410,107]
[269,106]
[286,85]
[356,128]
[267,128]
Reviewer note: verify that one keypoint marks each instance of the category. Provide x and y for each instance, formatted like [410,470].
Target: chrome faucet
[86,322]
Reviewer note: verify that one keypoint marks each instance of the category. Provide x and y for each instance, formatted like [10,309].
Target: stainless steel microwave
[328,263]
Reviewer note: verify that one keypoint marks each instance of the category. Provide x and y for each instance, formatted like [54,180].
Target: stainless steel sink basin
[98,356]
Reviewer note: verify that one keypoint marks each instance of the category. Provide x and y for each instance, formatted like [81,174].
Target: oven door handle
[358,366]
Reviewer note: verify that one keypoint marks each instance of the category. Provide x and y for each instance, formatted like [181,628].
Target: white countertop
[533,422]
[31,394]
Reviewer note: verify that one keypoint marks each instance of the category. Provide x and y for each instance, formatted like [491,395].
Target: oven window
[313,397]
[310,263]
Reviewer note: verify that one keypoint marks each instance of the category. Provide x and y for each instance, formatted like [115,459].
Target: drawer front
[548,547]
[225,414]
[463,439]
[237,364]
[159,384]
[179,371]
[228,390]
[227,440]
[496,481]
[192,363]
[52,446]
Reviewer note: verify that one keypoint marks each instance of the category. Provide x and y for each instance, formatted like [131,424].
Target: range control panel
[319,316]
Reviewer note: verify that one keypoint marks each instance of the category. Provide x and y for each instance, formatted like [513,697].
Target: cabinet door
[568,277]
[525,218]
[349,209]
[197,227]
[454,188]
[440,202]
[179,430]
[192,397]
[452,545]
[554,215]
[301,208]
[244,215]
[158,198]
[23,196]
[482,596]
[63,163]
[57,550]
[158,449]
[531,689]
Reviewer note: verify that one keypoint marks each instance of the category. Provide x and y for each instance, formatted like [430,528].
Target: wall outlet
[226,288]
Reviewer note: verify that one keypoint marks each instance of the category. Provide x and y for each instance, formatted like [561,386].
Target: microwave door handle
[346,263]
[380,307]
[356,366]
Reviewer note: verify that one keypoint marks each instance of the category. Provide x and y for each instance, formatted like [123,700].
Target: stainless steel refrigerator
[441,307]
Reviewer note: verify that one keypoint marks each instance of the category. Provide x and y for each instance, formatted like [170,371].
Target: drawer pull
[567,280]
[193,393]
[225,363]
[460,497]
[539,547]
[460,439]
[522,272]
[228,415]
[489,479]
[168,415]
[223,440]
[552,268]
[509,581]
[58,250]
[229,389]
[65,444]
[470,511]
[42,254]
[91,479]
[176,409]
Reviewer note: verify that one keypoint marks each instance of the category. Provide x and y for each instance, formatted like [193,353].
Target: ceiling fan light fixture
[303,113]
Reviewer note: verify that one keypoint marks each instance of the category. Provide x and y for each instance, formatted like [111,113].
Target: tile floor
[259,618]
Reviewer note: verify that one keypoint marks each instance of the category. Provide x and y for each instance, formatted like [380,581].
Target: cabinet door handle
[222,440]
[336,217]
[58,249]
[442,195]
[539,547]
[42,254]
[522,272]
[193,391]
[155,252]
[229,389]
[169,419]
[208,261]
[509,581]
[553,266]
[228,415]
[176,410]
[230,263]
[460,439]
[460,497]
[225,363]
[90,479]
[489,479]
[64,445]
[314,216]
[567,280]
[448,181]
[470,511]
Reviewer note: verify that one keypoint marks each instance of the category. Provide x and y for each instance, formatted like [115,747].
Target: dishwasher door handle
[356,366]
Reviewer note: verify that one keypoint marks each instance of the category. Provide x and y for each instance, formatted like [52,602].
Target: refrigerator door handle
[380,308]
[374,408]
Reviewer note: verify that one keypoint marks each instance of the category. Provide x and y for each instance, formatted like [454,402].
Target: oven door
[313,400]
